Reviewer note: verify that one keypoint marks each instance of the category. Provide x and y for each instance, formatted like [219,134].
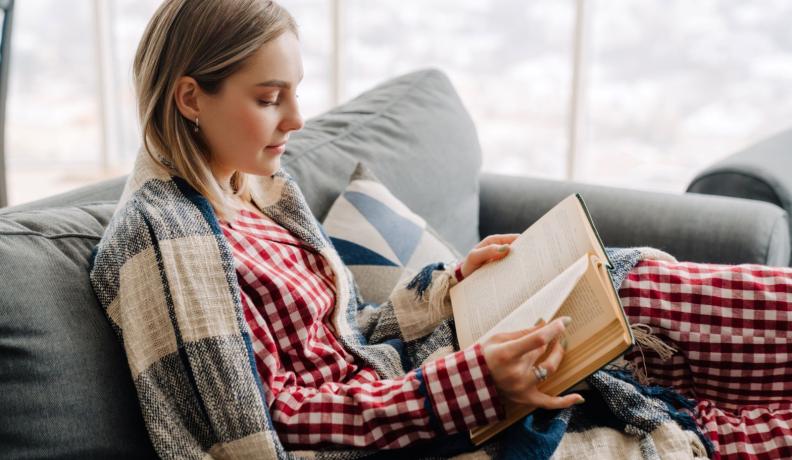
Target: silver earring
[196,125]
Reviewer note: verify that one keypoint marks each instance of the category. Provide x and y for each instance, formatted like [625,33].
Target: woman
[232,303]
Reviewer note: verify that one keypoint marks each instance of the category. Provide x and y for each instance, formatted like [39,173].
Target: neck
[222,176]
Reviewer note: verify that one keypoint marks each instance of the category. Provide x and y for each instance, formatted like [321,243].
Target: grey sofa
[65,389]
[762,171]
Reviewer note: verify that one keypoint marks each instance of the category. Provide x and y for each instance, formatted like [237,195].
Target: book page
[537,256]
[588,306]
[594,237]
[541,306]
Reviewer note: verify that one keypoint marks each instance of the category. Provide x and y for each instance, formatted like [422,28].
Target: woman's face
[246,125]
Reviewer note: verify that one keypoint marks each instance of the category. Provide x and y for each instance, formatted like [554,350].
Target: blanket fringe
[438,292]
[423,279]
[433,289]
[641,374]
[645,338]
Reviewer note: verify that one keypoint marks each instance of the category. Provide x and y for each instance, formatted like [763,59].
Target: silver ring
[540,373]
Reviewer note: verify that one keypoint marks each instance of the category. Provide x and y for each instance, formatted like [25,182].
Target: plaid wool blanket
[164,275]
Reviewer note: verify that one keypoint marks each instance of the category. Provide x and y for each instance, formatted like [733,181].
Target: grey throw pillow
[414,132]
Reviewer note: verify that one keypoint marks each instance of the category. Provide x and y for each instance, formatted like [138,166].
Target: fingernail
[566,320]
[564,343]
[580,401]
[503,248]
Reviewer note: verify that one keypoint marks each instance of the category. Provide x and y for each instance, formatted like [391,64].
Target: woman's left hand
[491,248]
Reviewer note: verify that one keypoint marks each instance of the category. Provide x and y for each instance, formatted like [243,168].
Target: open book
[557,267]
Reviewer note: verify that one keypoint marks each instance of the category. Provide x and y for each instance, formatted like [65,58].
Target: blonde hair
[208,40]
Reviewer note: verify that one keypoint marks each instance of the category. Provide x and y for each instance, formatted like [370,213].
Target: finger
[546,401]
[532,356]
[480,256]
[541,337]
[500,238]
[553,360]
[511,335]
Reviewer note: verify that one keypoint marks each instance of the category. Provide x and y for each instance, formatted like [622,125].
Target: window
[509,60]
[664,87]
[676,85]
[52,134]
[71,118]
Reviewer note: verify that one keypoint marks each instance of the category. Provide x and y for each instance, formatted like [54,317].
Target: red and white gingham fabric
[318,393]
[731,325]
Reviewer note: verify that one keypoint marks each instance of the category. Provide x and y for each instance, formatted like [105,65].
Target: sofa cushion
[379,238]
[415,134]
[65,388]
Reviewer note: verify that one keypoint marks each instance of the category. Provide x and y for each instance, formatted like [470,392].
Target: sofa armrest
[691,227]
[759,172]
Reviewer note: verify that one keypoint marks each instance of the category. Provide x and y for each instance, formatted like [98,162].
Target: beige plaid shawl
[164,274]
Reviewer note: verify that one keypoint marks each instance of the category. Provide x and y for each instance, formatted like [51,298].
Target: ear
[186,95]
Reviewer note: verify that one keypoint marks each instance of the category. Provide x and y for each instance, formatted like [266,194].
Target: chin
[266,170]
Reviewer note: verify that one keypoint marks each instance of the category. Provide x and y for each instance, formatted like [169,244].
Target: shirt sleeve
[448,395]
[461,390]
[458,272]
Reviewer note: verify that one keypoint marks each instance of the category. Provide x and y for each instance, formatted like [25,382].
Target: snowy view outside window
[667,86]
[676,86]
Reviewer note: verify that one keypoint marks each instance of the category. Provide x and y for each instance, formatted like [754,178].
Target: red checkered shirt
[317,392]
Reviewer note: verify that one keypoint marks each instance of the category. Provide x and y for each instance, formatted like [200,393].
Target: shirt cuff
[461,390]
[458,272]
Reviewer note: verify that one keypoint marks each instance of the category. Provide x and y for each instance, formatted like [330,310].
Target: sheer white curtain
[675,85]
[667,86]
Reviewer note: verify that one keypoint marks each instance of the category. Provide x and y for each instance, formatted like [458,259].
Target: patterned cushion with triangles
[379,238]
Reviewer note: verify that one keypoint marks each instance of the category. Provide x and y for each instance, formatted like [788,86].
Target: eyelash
[269,103]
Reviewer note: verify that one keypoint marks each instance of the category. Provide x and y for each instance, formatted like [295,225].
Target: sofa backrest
[66,390]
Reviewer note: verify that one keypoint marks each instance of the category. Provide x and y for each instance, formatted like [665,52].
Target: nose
[292,120]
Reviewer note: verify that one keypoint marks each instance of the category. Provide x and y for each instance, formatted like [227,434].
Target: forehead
[278,59]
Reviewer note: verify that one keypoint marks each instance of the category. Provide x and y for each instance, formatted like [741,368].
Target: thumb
[546,401]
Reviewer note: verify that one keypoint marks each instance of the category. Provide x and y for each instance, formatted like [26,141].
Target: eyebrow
[277,83]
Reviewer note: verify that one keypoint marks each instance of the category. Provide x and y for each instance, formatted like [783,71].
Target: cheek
[239,133]
[253,125]
[240,130]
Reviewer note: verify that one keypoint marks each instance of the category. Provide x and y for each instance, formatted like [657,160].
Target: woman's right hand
[511,357]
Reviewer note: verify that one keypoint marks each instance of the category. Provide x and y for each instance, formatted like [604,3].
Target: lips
[276,149]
